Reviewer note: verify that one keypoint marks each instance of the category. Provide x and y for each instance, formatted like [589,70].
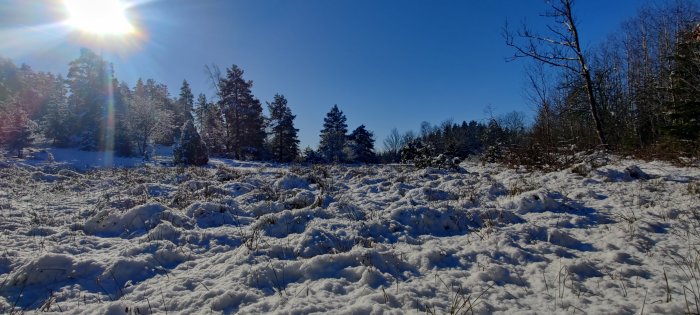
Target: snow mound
[44,177]
[291,181]
[424,220]
[137,219]
[540,200]
[210,214]
[301,199]
[237,189]
[52,268]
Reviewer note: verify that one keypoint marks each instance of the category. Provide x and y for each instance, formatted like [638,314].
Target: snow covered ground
[610,236]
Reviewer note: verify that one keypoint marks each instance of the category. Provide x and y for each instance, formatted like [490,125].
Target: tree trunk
[585,72]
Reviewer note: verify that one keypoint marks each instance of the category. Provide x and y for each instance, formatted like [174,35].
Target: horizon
[365,57]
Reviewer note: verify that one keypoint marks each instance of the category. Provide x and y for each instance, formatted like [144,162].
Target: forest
[637,93]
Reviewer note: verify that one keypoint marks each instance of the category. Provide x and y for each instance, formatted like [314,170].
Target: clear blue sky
[386,63]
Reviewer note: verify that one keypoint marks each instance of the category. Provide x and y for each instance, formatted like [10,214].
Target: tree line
[637,92]
[92,110]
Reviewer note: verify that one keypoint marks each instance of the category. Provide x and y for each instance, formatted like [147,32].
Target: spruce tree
[361,144]
[200,110]
[333,136]
[284,144]
[184,105]
[190,149]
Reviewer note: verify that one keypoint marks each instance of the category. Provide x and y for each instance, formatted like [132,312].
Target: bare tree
[393,142]
[559,47]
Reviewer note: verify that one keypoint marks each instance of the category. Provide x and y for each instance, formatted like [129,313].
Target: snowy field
[608,237]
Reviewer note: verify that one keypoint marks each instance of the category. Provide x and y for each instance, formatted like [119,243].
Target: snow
[615,236]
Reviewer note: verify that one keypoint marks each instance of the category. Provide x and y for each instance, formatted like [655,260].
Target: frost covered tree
[190,149]
[333,136]
[243,117]
[18,131]
[89,79]
[361,145]
[147,121]
[55,122]
[123,141]
[284,143]
[184,105]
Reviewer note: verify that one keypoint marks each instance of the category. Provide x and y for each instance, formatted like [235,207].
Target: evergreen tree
[123,138]
[210,124]
[333,136]
[55,122]
[284,144]
[184,105]
[200,110]
[190,149]
[361,144]
[684,108]
[88,79]
[243,118]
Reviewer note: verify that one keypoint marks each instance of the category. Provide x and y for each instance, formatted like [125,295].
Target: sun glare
[102,17]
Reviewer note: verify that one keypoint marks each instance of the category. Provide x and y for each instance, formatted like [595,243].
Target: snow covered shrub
[425,155]
[694,188]
[190,149]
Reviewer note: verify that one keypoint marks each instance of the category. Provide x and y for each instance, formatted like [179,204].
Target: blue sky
[386,63]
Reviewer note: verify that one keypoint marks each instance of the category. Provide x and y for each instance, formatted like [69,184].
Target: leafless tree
[558,47]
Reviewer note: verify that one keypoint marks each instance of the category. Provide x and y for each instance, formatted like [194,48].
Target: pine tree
[88,79]
[243,118]
[284,144]
[210,123]
[190,149]
[333,136]
[361,144]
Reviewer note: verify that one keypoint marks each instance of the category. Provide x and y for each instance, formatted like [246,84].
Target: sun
[101,17]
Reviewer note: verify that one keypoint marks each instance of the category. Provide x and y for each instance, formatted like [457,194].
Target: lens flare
[102,17]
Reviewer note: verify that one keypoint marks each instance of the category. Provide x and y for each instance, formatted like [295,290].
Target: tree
[684,108]
[393,144]
[89,80]
[55,124]
[361,144]
[561,48]
[190,149]
[18,130]
[333,136]
[147,120]
[284,143]
[210,124]
[243,119]
[184,105]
